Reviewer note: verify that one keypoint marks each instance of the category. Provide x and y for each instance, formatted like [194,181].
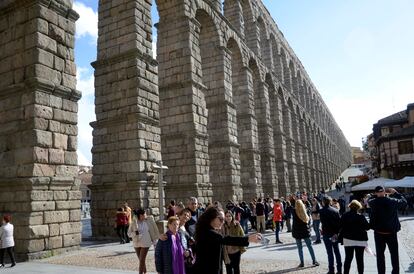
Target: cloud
[82,160]
[87,24]
[86,114]
[85,81]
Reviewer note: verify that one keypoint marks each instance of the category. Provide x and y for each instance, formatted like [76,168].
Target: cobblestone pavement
[281,258]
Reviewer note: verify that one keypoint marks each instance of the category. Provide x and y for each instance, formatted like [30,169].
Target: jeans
[349,255]
[234,266]
[381,240]
[121,231]
[9,252]
[277,230]
[288,225]
[331,249]
[316,224]
[310,248]
[244,225]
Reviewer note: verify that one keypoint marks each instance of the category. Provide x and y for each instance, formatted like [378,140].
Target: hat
[379,189]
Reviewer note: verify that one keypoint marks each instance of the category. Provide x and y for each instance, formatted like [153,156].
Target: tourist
[169,254]
[128,213]
[354,236]
[330,219]
[252,206]
[316,220]
[144,233]
[245,216]
[186,240]
[260,216]
[288,215]
[277,218]
[209,242]
[384,221]
[121,222]
[171,209]
[192,205]
[301,230]
[232,254]
[7,240]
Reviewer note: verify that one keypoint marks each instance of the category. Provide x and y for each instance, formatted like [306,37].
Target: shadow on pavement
[117,253]
[410,269]
[289,270]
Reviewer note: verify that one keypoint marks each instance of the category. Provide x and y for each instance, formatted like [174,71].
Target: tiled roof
[394,118]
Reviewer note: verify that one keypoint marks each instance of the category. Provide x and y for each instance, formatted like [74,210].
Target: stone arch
[233,11]
[208,55]
[288,116]
[286,70]
[265,49]
[250,27]
[202,7]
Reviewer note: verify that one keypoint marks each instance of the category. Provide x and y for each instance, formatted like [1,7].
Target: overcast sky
[359,55]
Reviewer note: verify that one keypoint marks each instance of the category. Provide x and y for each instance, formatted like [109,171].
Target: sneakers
[279,242]
[301,265]
[1,265]
[13,264]
[317,242]
[315,263]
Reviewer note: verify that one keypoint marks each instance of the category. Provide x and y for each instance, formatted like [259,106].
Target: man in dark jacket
[330,218]
[384,221]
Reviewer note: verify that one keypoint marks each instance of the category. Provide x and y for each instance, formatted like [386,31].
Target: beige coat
[236,231]
[152,228]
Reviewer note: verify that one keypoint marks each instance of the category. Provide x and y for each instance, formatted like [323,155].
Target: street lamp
[159,167]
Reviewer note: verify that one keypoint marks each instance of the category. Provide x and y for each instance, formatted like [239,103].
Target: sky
[358,54]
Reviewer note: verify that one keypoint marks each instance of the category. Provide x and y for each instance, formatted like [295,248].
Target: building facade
[394,142]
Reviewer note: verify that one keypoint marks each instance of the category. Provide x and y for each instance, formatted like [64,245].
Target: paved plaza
[98,257]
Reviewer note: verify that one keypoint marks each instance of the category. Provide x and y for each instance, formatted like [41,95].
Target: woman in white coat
[144,233]
[7,240]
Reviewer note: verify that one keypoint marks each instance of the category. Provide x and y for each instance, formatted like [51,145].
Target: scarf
[177,253]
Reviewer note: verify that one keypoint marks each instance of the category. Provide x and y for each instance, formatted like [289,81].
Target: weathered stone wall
[234,61]
[38,126]
[126,133]
[236,115]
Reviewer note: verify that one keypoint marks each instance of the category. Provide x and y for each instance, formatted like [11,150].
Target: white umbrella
[370,185]
[407,181]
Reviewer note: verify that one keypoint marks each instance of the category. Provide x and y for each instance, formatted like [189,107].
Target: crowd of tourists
[201,238]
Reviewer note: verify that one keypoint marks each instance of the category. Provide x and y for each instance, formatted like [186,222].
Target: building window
[405,147]
[87,193]
[385,131]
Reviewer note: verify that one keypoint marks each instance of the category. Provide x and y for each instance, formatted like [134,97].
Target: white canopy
[351,172]
[370,185]
[407,181]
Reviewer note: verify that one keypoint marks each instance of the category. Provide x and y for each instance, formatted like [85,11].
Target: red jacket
[277,213]
[121,218]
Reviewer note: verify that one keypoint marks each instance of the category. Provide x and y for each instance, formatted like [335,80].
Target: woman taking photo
[301,230]
[209,242]
[144,233]
[169,254]
[232,254]
[353,233]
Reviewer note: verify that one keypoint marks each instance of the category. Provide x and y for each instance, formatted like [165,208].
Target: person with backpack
[245,216]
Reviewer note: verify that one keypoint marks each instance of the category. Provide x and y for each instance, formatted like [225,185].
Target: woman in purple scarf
[169,254]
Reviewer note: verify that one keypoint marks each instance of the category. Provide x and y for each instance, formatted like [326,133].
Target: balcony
[406,157]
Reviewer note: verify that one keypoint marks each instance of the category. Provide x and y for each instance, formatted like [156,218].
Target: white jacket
[6,235]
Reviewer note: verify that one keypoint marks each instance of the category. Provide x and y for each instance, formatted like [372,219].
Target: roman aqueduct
[226,105]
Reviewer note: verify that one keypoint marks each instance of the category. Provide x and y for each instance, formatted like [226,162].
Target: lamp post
[159,167]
